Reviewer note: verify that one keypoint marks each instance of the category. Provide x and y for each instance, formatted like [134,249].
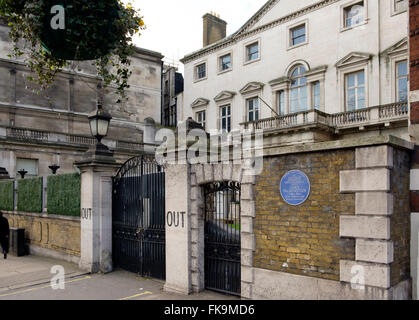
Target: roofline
[231,37]
[244,30]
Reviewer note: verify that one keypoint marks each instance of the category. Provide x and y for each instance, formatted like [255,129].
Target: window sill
[396,13]
[297,46]
[225,71]
[199,80]
[251,61]
[343,29]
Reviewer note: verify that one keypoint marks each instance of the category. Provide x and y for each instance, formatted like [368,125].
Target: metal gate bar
[138,217]
[222,237]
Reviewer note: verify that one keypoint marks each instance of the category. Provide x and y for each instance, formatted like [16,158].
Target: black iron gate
[138,218]
[222,237]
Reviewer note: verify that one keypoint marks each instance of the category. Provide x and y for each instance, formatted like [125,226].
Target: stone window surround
[199,110]
[395,12]
[246,45]
[344,71]
[394,60]
[289,45]
[195,75]
[221,55]
[249,94]
[283,84]
[342,24]
[222,101]
[209,173]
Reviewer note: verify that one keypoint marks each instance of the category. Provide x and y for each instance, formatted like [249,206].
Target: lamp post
[54,168]
[99,125]
[22,173]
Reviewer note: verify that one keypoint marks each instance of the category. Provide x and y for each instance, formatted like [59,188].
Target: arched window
[298,89]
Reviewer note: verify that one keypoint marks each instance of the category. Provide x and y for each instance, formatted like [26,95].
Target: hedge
[29,195]
[6,196]
[63,194]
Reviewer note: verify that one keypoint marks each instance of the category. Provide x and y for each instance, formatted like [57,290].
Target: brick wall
[400,220]
[61,234]
[414,57]
[305,239]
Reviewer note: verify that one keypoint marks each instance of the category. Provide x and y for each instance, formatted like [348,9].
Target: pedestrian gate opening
[222,237]
[138,218]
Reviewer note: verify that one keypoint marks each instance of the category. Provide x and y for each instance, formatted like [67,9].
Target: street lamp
[54,168]
[99,125]
[22,173]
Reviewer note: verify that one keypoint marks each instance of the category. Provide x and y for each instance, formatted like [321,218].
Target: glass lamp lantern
[99,123]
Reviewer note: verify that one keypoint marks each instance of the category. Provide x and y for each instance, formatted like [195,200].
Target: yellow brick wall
[50,232]
[303,240]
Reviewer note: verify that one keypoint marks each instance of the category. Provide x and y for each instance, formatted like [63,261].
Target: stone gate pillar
[96,214]
[178,235]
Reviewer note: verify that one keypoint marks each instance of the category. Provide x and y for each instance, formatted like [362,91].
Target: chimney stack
[215,28]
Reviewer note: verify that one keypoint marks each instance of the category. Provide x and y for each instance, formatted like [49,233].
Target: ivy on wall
[6,196]
[63,194]
[29,195]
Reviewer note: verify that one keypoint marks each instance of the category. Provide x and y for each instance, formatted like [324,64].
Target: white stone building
[335,56]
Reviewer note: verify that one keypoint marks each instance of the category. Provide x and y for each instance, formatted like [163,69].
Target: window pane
[351,103]
[30,165]
[402,68]
[257,115]
[250,116]
[354,15]
[316,94]
[225,62]
[402,90]
[361,79]
[361,98]
[351,80]
[281,103]
[298,35]
[294,100]
[303,99]
[253,52]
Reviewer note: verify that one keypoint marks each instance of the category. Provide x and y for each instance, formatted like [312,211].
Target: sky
[174,27]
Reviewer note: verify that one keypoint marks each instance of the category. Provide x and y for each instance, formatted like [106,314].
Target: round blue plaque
[295,187]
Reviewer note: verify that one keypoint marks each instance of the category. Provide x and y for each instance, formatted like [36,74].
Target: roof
[249,23]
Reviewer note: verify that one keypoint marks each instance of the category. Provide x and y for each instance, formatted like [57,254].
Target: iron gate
[138,218]
[222,237]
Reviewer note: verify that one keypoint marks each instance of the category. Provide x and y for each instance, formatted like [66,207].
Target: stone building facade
[39,130]
[172,88]
[330,96]
[345,58]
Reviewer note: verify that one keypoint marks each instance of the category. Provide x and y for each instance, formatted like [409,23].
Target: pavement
[29,278]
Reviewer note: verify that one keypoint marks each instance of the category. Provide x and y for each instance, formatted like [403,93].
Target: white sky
[174,27]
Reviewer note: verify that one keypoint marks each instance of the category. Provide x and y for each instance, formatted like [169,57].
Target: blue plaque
[295,187]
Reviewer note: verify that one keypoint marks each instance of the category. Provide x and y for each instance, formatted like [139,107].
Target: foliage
[63,194]
[92,30]
[6,196]
[29,195]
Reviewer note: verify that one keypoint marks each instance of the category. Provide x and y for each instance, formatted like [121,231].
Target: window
[401,81]
[298,92]
[400,5]
[200,118]
[316,95]
[298,35]
[355,91]
[253,109]
[225,119]
[281,101]
[252,52]
[225,62]
[354,14]
[201,71]
[30,165]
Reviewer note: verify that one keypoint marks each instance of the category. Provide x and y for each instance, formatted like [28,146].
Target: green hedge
[63,194]
[29,195]
[6,196]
